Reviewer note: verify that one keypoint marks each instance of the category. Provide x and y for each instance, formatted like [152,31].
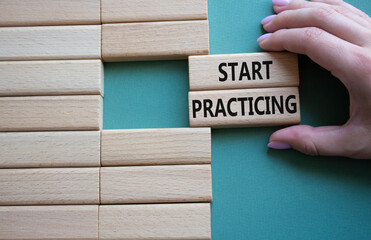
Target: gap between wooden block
[156,146]
[155,184]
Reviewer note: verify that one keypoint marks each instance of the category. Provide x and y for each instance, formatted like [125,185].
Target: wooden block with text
[156,146]
[49,186]
[244,107]
[155,184]
[155,221]
[50,149]
[246,70]
[51,77]
[154,40]
[51,113]
[119,11]
[49,12]
[50,43]
[49,222]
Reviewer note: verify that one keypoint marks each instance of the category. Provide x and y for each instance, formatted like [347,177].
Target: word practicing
[243,70]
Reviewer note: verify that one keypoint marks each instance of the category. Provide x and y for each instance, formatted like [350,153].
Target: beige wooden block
[154,40]
[51,77]
[50,43]
[244,108]
[151,184]
[50,149]
[41,186]
[154,221]
[49,12]
[50,113]
[156,146]
[49,222]
[247,70]
[119,11]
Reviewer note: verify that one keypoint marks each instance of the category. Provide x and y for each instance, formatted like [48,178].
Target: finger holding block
[246,70]
[244,108]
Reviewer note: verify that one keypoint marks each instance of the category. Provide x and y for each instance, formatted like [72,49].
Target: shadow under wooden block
[50,149]
[49,12]
[49,222]
[154,40]
[155,184]
[120,11]
[51,113]
[156,146]
[49,186]
[50,43]
[155,221]
[244,107]
[246,70]
[63,77]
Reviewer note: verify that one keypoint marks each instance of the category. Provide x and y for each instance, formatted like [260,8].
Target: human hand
[336,36]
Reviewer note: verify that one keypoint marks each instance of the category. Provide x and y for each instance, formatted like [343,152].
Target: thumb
[330,141]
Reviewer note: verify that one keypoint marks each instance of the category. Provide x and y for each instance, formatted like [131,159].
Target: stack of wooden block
[244,90]
[61,176]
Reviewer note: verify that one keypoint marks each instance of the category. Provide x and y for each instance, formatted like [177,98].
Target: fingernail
[268,19]
[263,37]
[281,3]
[279,145]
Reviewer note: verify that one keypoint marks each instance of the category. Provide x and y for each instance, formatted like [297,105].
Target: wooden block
[51,77]
[154,40]
[50,149]
[49,12]
[119,11]
[155,221]
[49,222]
[247,70]
[156,146]
[244,108]
[40,186]
[50,43]
[151,184]
[50,113]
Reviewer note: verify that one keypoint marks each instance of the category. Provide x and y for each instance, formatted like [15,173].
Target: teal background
[257,193]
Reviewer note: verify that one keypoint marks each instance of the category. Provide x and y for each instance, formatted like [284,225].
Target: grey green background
[257,193]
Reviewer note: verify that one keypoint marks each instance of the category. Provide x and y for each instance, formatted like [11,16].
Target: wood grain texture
[151,184]
[120,11]
[247,70]
[156,146]
[49,12]
[155,221]
[51,77]
[48,186]
[154,40]
[50,113]
[244,108]
[49,222]
[50,43]
[50,149]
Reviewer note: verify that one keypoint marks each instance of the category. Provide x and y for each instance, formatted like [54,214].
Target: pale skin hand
[337,36]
